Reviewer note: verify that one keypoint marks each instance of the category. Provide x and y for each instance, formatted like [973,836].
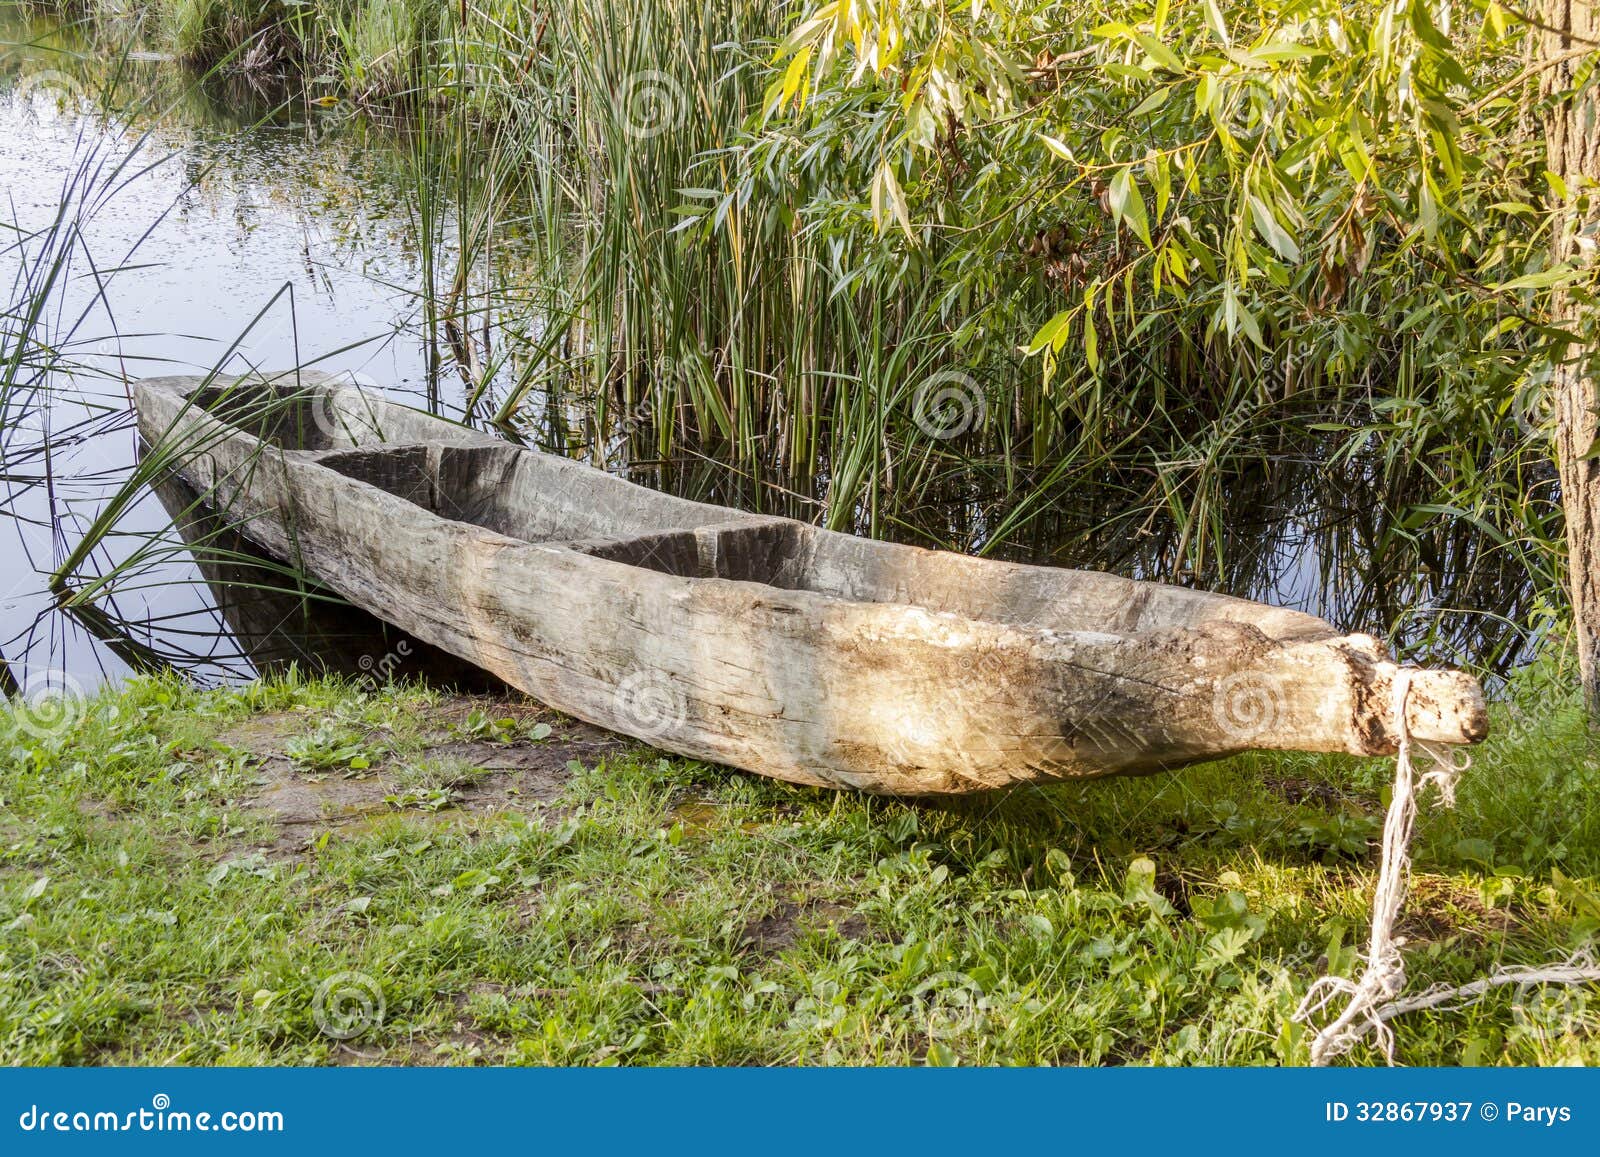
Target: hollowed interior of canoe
[286,417]
[466,484]
[544,498]
[400,470]
[771,553]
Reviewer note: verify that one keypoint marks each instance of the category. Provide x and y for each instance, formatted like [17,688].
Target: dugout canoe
[765,643]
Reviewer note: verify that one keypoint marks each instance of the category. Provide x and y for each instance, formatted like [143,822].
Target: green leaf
[794,78]
[1278,52]
[1057,147]
[1428,209]
[1127,204]
[1160,178]
[1160,53]
[1060,865]
[1218,26]
[886,191]
[1050,331]
[1271,231]
[1239,319]
[1544,279]
[1154,101]
[1494,18]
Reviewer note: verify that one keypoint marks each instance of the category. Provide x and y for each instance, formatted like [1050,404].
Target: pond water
[213,229]
[210,218]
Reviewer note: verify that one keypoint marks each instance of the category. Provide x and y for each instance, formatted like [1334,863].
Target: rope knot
[1384,977]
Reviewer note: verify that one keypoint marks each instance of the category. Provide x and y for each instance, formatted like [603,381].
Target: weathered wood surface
[765,643]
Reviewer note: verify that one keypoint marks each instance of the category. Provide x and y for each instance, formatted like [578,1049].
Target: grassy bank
[466,881]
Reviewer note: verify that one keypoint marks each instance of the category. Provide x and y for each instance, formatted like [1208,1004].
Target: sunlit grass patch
[664,911]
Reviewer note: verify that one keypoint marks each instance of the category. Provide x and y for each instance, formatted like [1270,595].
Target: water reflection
[280,620]
[155,239]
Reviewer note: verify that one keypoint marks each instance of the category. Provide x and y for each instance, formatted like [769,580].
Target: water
[281,235]
[292,234]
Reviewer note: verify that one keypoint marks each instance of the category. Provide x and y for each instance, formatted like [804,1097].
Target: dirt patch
[1174,889]
[1439,908]
[512,773]
[447,777]
[784,927]
[293,801]
[263,735]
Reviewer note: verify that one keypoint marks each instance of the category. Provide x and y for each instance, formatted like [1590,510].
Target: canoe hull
[632,628]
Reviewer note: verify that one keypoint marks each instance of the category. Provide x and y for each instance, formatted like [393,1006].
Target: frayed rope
[1374,998]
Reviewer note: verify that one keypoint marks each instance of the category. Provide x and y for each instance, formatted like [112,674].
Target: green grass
[660,911]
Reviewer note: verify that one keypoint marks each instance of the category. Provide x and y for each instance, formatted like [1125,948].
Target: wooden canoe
[765,643]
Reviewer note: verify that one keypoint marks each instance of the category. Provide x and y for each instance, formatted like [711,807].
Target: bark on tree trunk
[1572,132]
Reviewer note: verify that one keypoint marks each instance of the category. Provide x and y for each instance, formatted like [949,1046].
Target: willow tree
[1306,183]
[1570,35]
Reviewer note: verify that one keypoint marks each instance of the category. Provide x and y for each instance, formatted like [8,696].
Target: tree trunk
[1572,132]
